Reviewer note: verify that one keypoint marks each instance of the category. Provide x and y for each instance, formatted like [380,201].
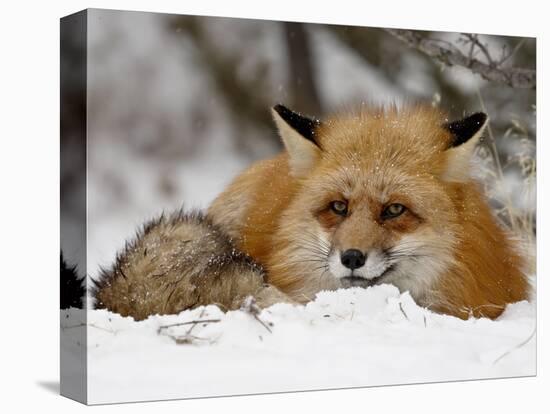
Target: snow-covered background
[178,106]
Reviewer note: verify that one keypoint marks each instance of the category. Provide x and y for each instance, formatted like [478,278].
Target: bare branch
[452,56]
[383,52]
[196,322]
[187,338]
[249,306]
[474,40]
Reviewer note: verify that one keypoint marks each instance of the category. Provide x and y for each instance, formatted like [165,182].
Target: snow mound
[347,338]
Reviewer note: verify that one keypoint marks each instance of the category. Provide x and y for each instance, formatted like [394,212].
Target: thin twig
[91,325]
[521,344]
[195,322]
[521,78]
[249,306]
[403,311]
[187,337]
[474,39]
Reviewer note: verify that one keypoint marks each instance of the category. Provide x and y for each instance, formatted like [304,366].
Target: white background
[29,160]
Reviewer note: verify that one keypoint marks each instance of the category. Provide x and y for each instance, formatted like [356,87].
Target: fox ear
[467,128]
[465,135]
[298,135]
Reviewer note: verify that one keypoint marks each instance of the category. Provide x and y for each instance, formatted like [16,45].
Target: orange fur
[465,264]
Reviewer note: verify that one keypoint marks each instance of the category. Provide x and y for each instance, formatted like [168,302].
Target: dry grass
[510,181]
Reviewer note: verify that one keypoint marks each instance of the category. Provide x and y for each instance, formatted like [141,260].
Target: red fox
[376,196]
[359,199]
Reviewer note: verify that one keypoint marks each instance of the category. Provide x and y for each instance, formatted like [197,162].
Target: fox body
[376,196]
[361,198]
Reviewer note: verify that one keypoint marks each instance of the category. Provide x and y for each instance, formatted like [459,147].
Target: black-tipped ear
[298,135]
[301,124]
[465,129]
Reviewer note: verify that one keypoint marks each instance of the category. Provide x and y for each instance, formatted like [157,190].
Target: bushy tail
[72,288]
[177,262]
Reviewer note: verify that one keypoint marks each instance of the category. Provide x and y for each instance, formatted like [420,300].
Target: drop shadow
[51,386]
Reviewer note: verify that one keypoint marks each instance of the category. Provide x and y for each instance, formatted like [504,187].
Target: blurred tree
[166,86]
[379,50]
[301,79]
[245,99]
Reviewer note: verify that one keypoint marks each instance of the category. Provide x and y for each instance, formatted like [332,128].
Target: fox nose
[352,259]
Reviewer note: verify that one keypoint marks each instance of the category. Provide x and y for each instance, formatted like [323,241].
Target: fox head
[377,196]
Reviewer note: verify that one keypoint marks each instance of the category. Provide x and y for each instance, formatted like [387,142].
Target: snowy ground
[347,338]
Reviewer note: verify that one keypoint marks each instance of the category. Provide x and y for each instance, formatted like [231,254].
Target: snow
[347,338]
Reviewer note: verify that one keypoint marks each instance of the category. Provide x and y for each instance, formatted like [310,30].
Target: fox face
[376,199]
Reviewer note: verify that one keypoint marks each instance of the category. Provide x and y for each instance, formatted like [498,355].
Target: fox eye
[393,210]
[339,207]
